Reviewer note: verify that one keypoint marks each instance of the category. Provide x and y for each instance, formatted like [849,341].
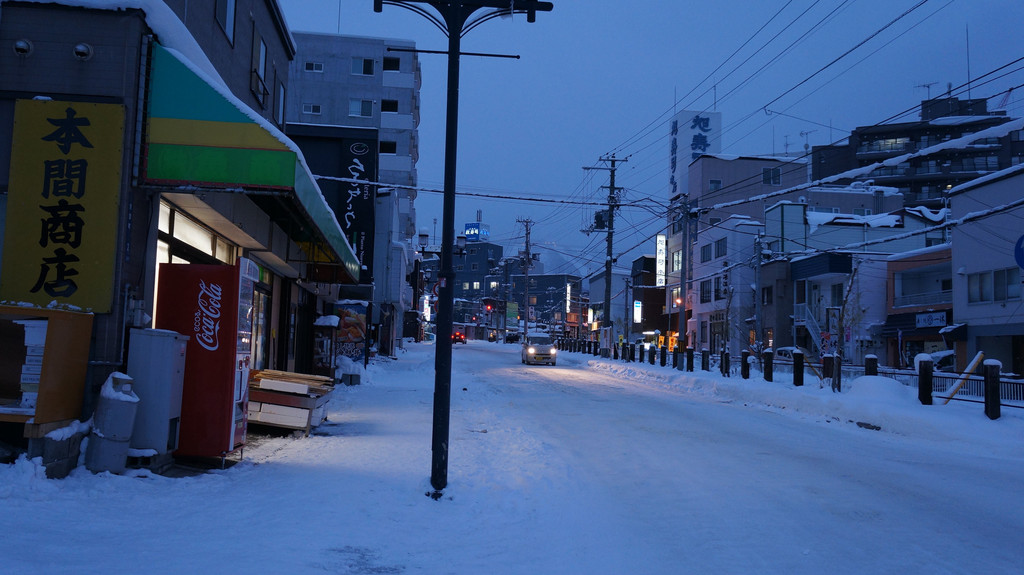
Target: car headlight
[531,349]
[554,351]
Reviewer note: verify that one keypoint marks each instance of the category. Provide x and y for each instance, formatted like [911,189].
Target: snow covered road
[591,466]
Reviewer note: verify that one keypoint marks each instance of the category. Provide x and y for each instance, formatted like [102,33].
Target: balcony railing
[933,298]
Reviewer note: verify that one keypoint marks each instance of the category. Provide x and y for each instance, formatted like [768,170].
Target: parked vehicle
[458,337]
[539,349]
[786,353]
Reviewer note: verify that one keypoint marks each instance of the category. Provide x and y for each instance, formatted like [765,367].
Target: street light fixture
[454,18]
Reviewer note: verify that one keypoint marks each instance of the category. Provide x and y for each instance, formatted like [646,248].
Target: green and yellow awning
[198,136]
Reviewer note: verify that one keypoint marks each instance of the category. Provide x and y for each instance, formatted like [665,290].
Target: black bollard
[664,355]
[615,351]
[991,371]
[675,358]
[925,383]
[745,368]
[689,359]
[870,365]
[705,360]
[723,363]
[768,356]
[798,368]
[651,352]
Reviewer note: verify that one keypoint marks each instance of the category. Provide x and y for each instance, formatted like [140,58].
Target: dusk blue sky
[598,77]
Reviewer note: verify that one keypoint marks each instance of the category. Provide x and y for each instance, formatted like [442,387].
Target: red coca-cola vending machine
[212,304]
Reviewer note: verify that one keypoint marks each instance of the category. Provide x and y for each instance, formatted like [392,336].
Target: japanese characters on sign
[694,133]
[60,241]
[355,211]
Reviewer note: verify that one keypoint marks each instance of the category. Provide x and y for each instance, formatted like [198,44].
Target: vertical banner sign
[62,209]
[356,210]
[659,264]
[692,133]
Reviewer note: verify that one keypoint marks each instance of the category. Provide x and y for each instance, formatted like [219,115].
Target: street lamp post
[456,18]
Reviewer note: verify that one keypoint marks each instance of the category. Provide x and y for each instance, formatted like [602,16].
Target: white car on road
[539,349]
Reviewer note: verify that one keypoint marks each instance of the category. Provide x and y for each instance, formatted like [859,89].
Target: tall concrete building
[354,111]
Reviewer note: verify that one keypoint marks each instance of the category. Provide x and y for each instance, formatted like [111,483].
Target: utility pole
[628,316]
[527,263]
[684,269]
[613,203]
[454,18]
[758,340]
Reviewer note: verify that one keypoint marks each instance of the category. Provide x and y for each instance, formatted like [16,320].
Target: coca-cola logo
[207,318]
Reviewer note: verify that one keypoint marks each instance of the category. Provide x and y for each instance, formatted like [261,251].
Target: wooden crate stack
[286,399]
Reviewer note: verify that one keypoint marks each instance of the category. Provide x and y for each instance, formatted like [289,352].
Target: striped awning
[200,136]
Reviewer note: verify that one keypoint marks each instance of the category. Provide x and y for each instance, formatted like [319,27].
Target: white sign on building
[691,134]
[660,256]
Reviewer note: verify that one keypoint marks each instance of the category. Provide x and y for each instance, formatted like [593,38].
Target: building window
[766,295]
[677,260]
[362,66]
[677,223]
[476,285]
[311,109]
[465,285]
[721,247]
[473,268]
[315,67]
[837,295]
[719,290]
[389,106]
[258,83]
[391,64]
[997,285]
[979,287]
[494,285]
[861,212]
[224,12]
[279,109]
[677,297]
[714,185]
[771,176]
[705,291]
[705,253]
[387,147]
[361,108]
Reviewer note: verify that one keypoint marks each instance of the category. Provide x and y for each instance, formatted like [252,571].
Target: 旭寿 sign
[63,203]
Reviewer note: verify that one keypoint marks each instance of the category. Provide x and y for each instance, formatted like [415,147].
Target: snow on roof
[935,216]
[1005,173]
[918,252]
[958,120]
[731,157]
[815,219]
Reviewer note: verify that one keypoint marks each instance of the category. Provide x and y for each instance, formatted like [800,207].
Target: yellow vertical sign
[62,204]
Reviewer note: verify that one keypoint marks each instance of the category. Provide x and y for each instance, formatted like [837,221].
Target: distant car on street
[458,337]
[539,349]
